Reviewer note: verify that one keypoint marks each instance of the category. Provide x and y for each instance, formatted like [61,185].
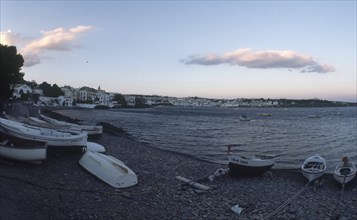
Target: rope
[342,192]
[286,202]
[117,191]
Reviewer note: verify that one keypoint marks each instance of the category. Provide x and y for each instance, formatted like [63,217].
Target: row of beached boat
[31,142]
[312,168]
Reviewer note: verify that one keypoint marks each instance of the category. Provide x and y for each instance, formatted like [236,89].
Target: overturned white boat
[345,171]
[21,149]
[51,136]
[313,167]
[91,146]
[90,129]
[109,169]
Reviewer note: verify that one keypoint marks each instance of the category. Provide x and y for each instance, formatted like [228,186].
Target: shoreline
[61,189]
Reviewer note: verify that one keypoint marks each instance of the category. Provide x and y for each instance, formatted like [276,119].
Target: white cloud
[263,60]
[59,39]
[12,39]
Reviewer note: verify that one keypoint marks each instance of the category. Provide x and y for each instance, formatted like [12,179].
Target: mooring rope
[342,192]
[286,202]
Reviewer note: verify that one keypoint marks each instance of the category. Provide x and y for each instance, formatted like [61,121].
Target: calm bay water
[204,132]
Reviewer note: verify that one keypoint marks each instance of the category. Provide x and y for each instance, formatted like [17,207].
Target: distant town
[86,97]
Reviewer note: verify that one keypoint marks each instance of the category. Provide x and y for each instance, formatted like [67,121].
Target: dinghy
[345,171]
[109,169]
[91,146]
[51,136]
[249,165]
[21,149]
[90,129]
[313,167]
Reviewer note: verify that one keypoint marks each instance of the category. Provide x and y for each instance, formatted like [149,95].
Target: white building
[21,89]
[70,93]
[87,94]
[65,101]
[101,97]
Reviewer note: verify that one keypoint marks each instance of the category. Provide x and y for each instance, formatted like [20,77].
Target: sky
[211,49]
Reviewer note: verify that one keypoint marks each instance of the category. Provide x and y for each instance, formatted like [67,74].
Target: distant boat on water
[244,118]
[314,116]
[265,114]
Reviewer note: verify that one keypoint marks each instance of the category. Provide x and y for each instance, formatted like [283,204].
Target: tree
[56,91]
[32,84]
[140,102]
[11,63]
[120,99]
[50,91]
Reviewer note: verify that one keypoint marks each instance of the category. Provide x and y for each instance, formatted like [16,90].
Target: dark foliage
[120,99]
[11,63]
[50,91]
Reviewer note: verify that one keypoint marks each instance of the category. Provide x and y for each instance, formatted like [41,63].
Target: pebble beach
[60,188]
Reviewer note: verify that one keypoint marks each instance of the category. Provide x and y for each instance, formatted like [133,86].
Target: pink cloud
[59,39]
[263,60]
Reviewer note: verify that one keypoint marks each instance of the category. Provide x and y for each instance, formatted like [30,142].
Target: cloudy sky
[214,49]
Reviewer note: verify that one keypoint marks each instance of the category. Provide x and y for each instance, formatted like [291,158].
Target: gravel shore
[60,188]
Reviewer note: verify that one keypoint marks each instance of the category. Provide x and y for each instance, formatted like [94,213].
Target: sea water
[204,132]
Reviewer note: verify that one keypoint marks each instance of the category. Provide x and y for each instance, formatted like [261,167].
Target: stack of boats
[312,168]
[27,142]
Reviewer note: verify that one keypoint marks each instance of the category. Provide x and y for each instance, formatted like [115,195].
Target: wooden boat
[90,129]
[313,167]
[21,149]
[37,122]
[345,171]
[240,165]
[109,169]
[249,165]
[51,136]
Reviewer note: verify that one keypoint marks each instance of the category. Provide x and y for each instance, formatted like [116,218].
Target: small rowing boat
[240,165]
[20,149]
[345,171]
[313,167]
[90,129]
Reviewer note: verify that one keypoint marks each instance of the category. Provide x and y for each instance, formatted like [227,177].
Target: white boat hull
[91,146]
[109,169]
[90,129]
[23,154]
[51,136]
[20,149]
[313,167]
[344,173]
